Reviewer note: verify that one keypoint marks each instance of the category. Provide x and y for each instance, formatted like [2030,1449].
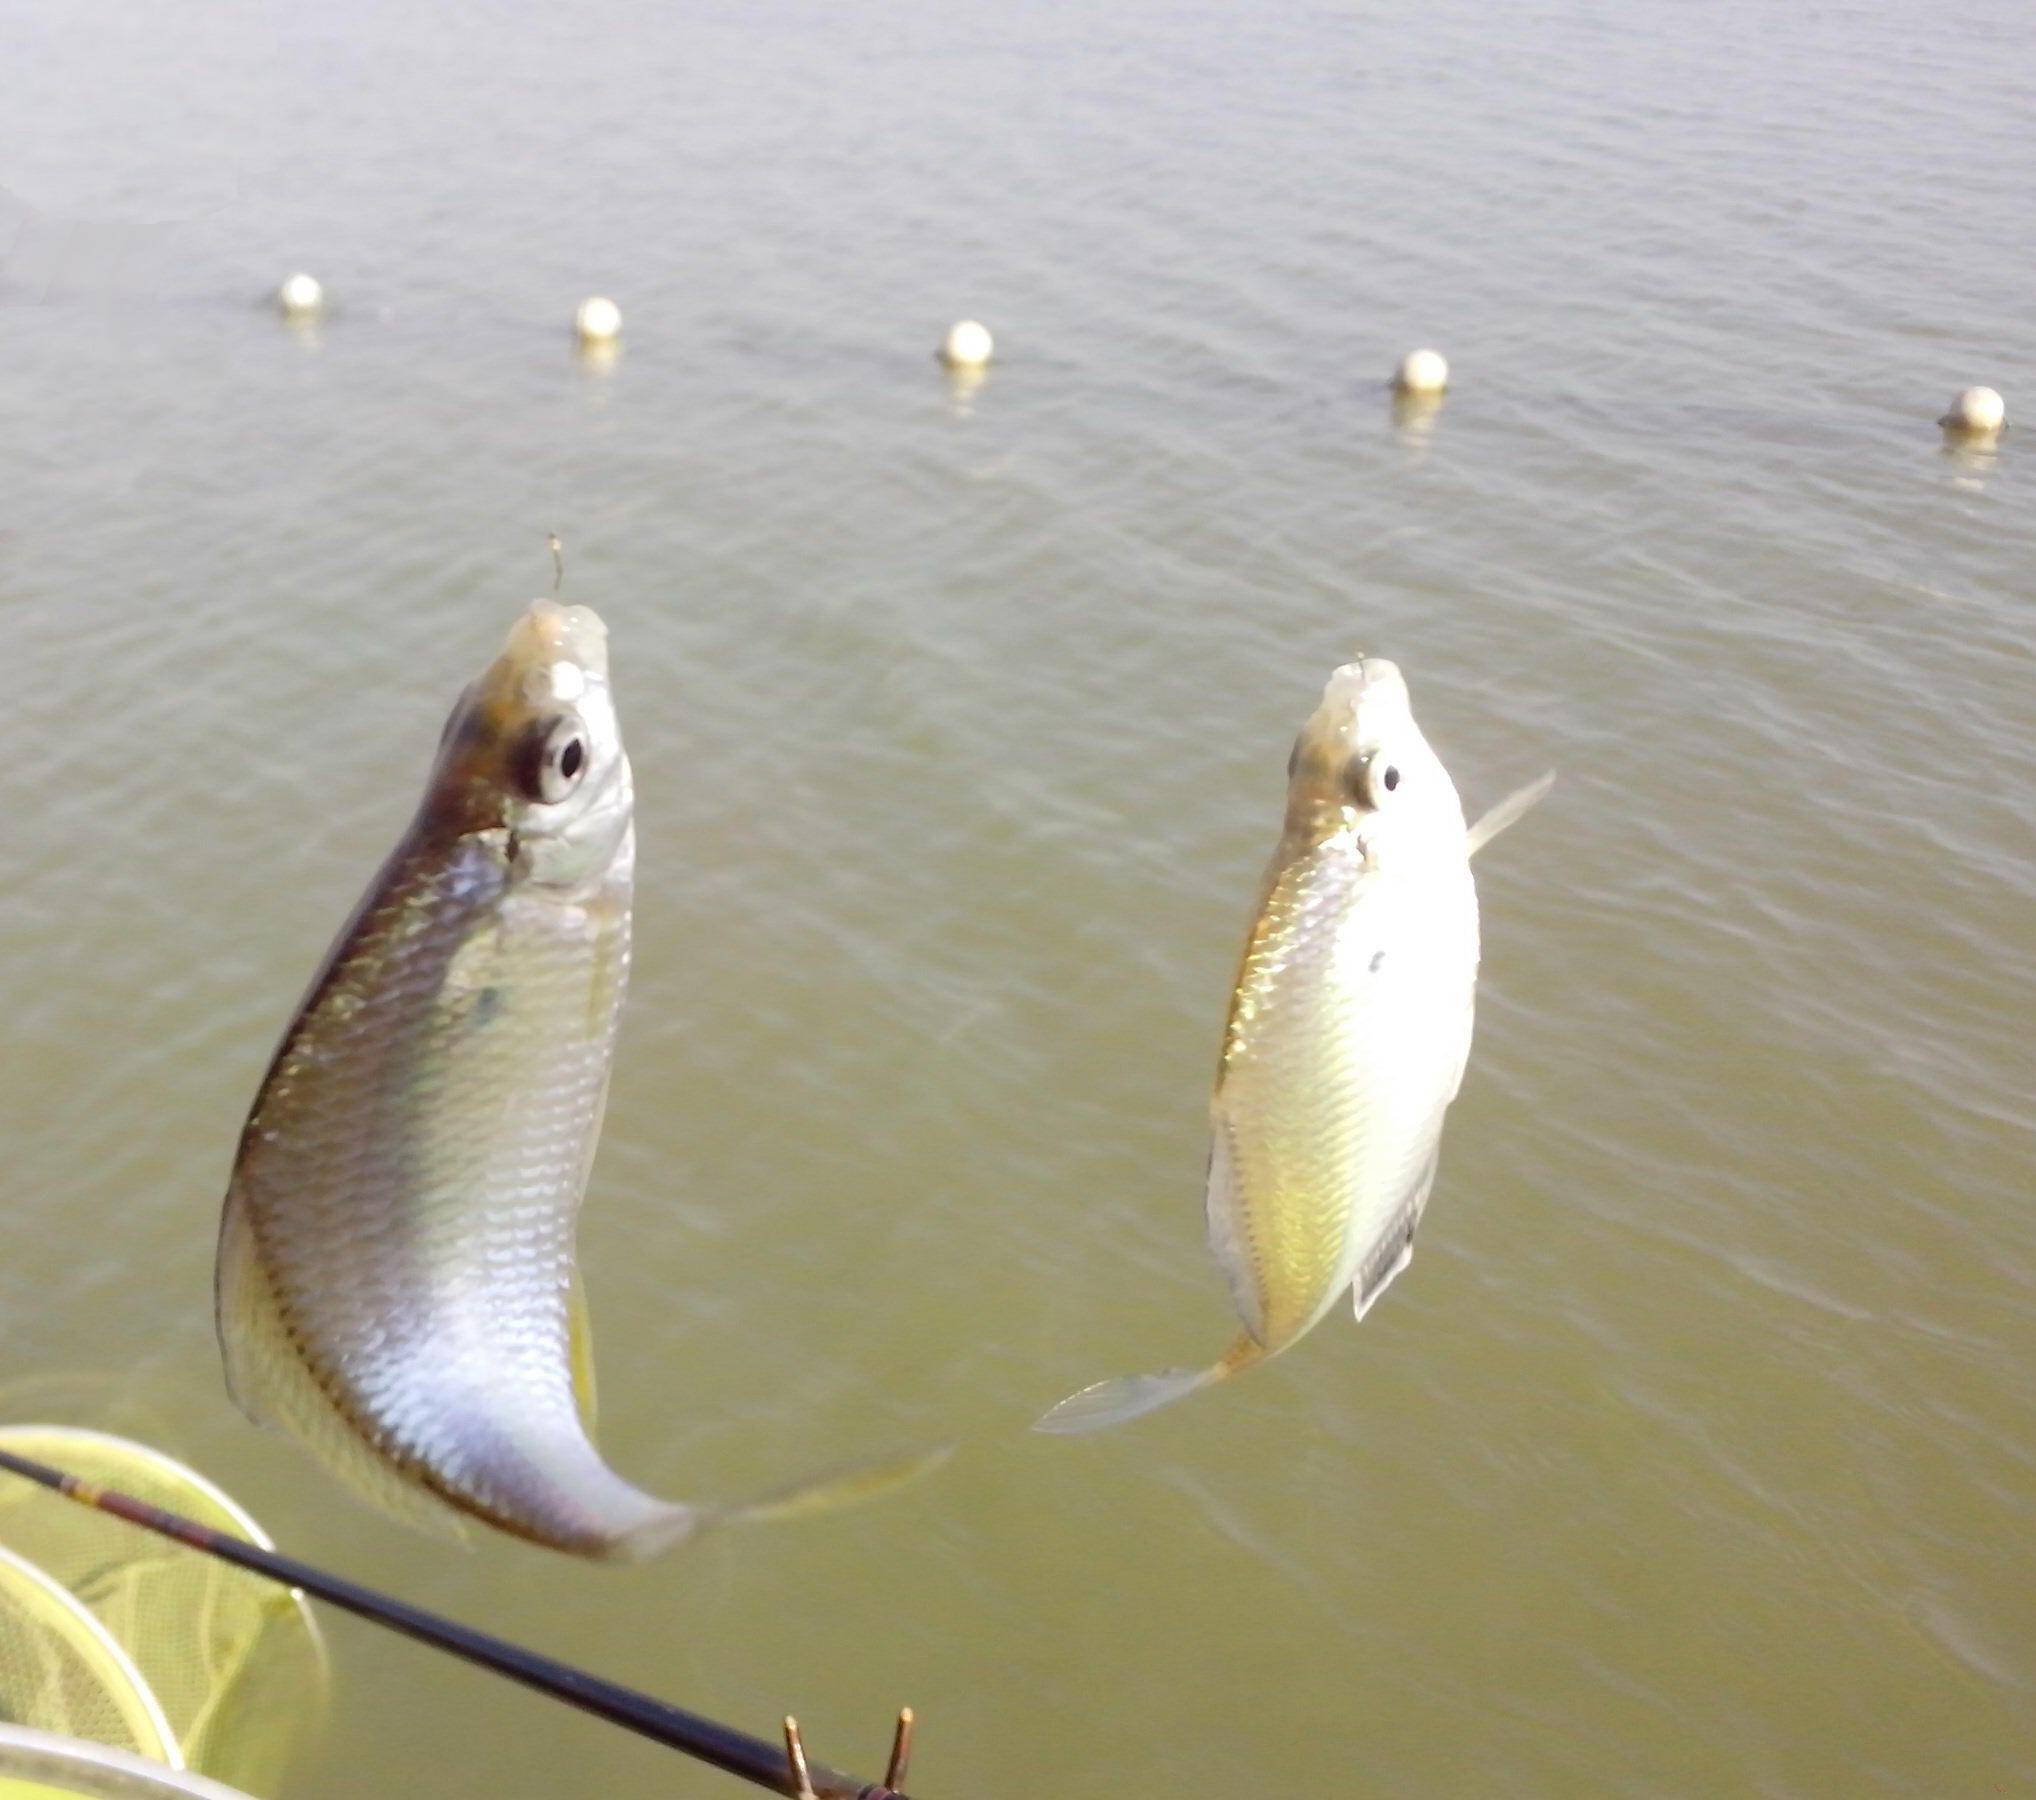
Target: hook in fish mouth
[1339,728]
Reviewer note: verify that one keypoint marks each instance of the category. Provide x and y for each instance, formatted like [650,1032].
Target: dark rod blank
[750,1759]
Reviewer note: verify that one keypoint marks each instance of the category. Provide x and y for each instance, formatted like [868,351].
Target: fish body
[1348,1032]
[396,1278]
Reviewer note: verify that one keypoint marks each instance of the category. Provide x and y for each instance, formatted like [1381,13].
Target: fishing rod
[784,1769]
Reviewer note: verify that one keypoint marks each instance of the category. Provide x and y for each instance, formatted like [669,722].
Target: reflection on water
[1972,459]
[1415,417]
[1690,1454]
[963,385]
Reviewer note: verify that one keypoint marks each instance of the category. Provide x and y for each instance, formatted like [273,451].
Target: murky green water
[1694,1454]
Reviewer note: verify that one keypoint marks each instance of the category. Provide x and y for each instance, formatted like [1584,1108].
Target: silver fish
[396,1281]
[1349,1028]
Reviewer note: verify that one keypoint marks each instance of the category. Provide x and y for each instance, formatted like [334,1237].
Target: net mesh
[60,1669]
[234,1661]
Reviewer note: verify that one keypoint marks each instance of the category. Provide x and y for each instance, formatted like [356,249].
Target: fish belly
[1353,1023]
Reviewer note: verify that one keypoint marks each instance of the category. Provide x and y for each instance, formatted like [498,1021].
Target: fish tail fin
[627,1525]
[844,1485]
[1128,1397]
[848,1484]
[1508,811]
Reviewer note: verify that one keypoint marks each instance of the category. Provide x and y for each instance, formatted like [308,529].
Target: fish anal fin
[1395,1248]
[1507,811]
[271,1384]
[1365,1291]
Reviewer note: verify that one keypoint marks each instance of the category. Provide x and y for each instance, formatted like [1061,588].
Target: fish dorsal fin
[1507,810]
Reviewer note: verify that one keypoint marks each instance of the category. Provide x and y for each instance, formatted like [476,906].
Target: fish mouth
[552,658]
[548,646]
[1362,703]
[1364,679]
[1353,700]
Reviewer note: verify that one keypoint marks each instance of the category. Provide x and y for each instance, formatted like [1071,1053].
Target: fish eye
[553,760]
[1372,778]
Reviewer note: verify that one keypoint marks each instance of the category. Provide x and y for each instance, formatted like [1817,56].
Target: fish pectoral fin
[270,1382]
[1127,1397]
[1507,811]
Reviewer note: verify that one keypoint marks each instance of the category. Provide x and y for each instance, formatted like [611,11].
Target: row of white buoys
[1979,414]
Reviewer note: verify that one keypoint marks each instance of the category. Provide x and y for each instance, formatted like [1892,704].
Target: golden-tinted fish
[1348,1033]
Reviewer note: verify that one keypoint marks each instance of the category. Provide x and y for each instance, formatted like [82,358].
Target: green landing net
[136,1644]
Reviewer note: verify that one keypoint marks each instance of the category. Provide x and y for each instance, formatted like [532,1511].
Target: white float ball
[1422,372]
[967,345]
[1979,411]
[300,296]
[599,321]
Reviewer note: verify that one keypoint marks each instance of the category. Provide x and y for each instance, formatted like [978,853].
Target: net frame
[55,1764]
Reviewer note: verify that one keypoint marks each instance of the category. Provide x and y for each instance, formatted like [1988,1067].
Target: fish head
[533,749]
[1360,765]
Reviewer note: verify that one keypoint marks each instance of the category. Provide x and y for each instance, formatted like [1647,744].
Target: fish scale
[1296,1241]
